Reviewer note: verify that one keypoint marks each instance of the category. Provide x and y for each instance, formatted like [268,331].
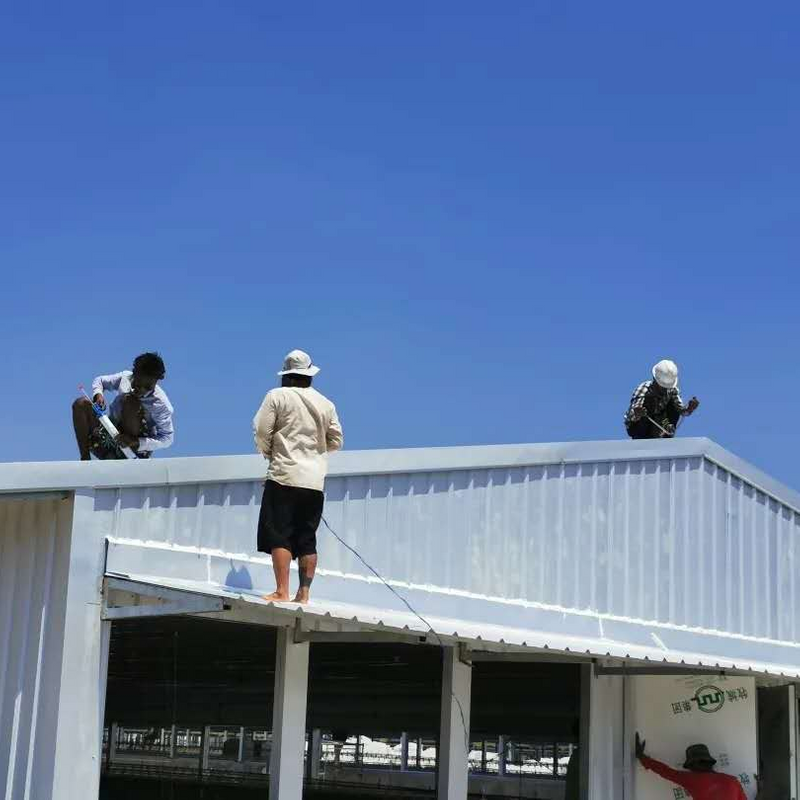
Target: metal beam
[355,637]
[168,602]
[637,671]
[520,657]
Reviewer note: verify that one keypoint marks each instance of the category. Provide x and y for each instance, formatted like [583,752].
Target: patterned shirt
[654,399]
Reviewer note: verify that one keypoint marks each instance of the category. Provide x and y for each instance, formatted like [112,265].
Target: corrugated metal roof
[666,550]
[55,475]
[681,647]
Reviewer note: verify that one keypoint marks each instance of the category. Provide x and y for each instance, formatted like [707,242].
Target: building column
[240,754]
[501,756]
[111,754]
[172,744]
[205,746]
[314,754]
[404,752]
[453,755]
[289,718]
[70,734]
[609,748]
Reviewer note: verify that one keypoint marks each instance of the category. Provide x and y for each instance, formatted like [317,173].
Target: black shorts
[289,518]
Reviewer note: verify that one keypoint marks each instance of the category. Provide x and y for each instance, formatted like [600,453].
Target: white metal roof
[672,551]
[685,647]
[37,476]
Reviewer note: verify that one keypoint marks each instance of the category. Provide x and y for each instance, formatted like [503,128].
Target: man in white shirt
[295,428]
[141,412]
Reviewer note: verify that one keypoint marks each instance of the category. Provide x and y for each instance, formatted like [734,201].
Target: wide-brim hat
[697,754]
[298,363]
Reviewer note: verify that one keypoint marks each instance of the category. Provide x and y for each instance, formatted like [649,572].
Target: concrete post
[289,718]
[172,745]
[404,752]
[113,732]
[419,753]
[501,756]
[315,754]
[454,744]
[205,749]
[240,754]
[68,575]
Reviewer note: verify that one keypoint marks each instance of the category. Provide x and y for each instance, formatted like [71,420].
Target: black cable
[417,615]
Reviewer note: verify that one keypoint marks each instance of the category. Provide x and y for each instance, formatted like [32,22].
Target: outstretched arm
[674,775]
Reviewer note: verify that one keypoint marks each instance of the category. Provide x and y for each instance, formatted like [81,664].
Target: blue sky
[485,221]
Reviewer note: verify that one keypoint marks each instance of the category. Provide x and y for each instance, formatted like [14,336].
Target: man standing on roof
[141,412]
[656,405]
[699,780]
[295,428]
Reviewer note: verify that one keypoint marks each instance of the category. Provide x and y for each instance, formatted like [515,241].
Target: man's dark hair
[300,381]
[150,364]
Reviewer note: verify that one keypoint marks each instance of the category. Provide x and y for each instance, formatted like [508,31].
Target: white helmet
[666,374]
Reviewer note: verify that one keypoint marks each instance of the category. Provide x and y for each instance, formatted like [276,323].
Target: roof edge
[73,475]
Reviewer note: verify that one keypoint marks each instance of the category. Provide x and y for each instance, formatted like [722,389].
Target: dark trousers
[644,429]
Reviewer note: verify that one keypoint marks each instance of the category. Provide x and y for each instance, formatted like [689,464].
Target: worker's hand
[640,745]
[692,405]
[100,400]
[669,428]
[126,440]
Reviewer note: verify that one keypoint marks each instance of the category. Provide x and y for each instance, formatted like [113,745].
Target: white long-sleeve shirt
[295,428]
[157,409]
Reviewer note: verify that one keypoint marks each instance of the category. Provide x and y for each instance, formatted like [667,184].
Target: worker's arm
[264,425]
[637,408]
[675,775]
[334,437]
[106,382]
[163,432]
[686,409]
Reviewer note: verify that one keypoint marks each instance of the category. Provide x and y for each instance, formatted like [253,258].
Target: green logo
[709,699]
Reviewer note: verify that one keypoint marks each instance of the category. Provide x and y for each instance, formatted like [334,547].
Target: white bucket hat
[298,363]
[666,374]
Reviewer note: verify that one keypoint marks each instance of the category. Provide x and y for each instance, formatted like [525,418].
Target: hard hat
[666,374]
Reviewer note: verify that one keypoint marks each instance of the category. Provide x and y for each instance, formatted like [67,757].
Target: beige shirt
[296,429]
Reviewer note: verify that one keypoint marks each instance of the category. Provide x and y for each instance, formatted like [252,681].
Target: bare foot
[301,596]
[276,597]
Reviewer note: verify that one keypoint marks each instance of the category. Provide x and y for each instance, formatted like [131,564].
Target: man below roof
[141,412]
[295,428]
[699,779]
[656,405]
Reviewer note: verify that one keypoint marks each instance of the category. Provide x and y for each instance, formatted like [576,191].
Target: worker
[141,412]
[699,778]
[656,405]
[295,428]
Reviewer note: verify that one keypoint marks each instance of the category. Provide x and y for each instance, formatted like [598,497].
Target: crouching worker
[141,412]
[697,777]
[295,428]
[656,406]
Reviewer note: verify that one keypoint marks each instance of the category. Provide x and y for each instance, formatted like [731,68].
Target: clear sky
[485,221]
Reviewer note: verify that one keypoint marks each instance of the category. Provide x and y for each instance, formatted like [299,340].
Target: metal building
[628,559]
